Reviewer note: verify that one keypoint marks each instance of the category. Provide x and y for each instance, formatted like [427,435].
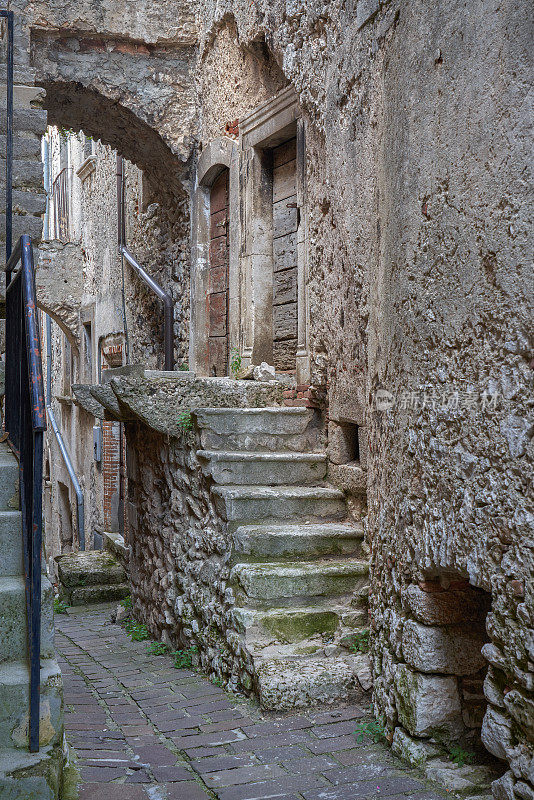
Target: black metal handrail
[25,424]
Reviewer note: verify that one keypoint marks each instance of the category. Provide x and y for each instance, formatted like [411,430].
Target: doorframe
[217,155]
[270,124]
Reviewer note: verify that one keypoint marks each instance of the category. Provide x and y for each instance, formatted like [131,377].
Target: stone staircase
[24,774]
[299,576]
[93,576]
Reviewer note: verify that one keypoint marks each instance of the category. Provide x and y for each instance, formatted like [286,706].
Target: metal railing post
[25,424]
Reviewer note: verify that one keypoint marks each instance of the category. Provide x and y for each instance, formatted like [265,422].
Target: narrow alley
[143,729]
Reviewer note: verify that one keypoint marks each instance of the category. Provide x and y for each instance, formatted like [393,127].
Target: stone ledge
[157,399]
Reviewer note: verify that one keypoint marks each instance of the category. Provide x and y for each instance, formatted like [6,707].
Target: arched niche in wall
[215,300]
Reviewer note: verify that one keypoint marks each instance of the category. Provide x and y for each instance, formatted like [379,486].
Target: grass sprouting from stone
[358,642]
[184,659]
[136,631]
[60,606]
[374,730]
[460,756]
[158,649]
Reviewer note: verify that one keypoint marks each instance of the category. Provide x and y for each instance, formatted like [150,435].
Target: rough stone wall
[180,557]
[419,283]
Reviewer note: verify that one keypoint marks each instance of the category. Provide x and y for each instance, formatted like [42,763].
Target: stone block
[285,286]
[455,650]
[496,733]
[444,607]
[286,685]
[365,11]
[492,690]
[415,751]
[285,321]
[285,252]
[428,705]
[343,444]
[94,567]
[521,709]
[467,780]
[524,791]
[503,788]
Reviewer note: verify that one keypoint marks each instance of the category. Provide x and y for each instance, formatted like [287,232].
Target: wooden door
[218,277]
[285,223]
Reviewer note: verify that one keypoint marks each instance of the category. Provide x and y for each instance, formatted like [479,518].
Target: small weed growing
[136,631]
[218,682]
[157,649]
[183,659]
[184,367]
[127,602]
[374,730]
[460,756]
[235,361]
[359,642]
[60,606]
[185,421]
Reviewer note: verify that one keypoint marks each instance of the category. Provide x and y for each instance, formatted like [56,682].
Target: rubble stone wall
[180,553]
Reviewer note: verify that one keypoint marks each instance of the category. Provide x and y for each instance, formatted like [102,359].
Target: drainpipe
[46,169]
[61,444]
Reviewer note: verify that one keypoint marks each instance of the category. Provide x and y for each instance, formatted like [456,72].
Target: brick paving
[143,729]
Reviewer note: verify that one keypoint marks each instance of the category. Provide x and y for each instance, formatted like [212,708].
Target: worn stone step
[23,223]
[89,568]
[14,699]
[310,540]
[104,593]
[275,420]
[9,480]
[271,469]
[11,562]
[283,684]
[13,628]
[25,775]
[287,625]
[292,583]
[276,429]
[307,442]
[249,504]
[27,173]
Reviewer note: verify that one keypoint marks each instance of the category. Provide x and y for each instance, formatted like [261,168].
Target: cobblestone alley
[143,729]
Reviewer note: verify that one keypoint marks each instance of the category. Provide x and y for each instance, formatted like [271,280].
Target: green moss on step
[290,626]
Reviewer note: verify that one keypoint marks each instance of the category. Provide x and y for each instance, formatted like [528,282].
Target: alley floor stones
[143,729]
